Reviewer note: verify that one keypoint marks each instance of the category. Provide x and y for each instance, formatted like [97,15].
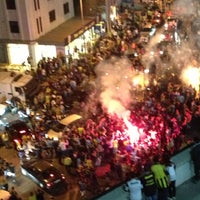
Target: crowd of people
[161,120]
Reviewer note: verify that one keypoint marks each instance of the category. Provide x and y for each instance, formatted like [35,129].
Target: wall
[184,166]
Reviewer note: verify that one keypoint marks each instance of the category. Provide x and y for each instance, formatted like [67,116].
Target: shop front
[81,41]
[63,42]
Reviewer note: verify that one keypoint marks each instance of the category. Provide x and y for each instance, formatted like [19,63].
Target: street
[24,185]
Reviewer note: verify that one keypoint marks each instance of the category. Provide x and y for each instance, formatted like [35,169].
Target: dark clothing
[163,194]
[40,195]
[149,184]
[195,152]
[161,179]
[13,197]
[172,189]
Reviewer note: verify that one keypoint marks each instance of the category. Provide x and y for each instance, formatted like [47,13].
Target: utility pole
[108,22]
[163,6]
[81,9]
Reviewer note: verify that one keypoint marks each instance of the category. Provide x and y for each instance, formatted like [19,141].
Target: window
[10,4]
[39,24]
[38,28]
[52,16]
[36,4]
[14,27]
[66,8]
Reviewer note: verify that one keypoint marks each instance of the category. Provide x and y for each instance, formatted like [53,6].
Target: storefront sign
[79,32]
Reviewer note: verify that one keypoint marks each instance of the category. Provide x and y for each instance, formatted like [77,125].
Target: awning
[66,32]
[69,119]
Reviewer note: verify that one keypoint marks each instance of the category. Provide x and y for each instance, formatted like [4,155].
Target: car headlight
[24,172]
[41,185]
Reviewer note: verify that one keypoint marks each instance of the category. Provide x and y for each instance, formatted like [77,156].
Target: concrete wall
[184,166]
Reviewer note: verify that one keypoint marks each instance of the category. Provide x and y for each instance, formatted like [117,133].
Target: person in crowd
[149,184]
[3,180]
[5,139]
[13,193]
[195,155]
[159,116]
[171,171]
[159,171]
[67,162]
[39,194]
[32,196]
[134,187]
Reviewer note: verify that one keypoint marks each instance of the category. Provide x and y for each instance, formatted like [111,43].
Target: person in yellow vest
[3,181]
[67,161]
[89,163]
[5,139]
[32,196]
[161,178]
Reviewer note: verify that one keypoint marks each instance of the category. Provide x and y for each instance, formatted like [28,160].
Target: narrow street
[24,185]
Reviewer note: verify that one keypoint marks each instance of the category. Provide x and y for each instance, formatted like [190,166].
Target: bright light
[162,37]
[2,109]
[191,77]
[46,51]
[140,79]
[18,53]
[132,131]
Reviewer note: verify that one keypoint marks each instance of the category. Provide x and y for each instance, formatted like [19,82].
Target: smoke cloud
[114,80]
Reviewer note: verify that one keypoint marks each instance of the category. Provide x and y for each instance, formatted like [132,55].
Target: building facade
[23,22]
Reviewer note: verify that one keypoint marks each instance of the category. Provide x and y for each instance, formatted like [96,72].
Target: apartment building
[37,28]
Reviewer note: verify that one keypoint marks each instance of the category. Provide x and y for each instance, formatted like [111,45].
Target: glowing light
[161,52]
[162,37]
[131,130]
[191,77]
[137,81]
[152,53]
[153,134]
[140,79]
[18,53]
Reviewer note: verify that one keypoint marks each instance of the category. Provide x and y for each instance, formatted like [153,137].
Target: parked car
[55,128]
[146,33]
[46,176]
[16,131]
